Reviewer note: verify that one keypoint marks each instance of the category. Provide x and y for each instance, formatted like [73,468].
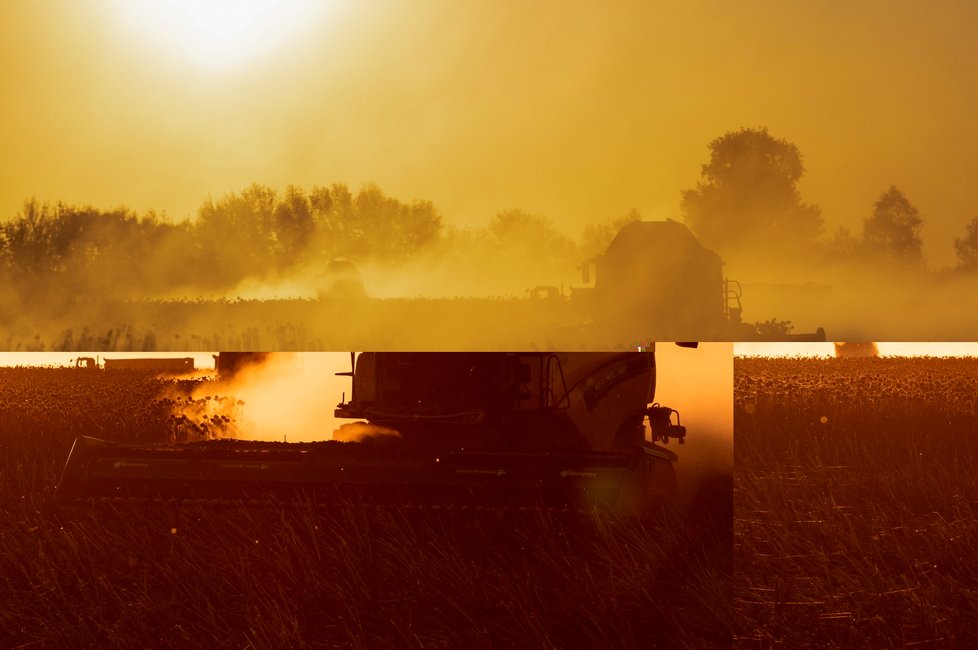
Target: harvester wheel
[650,487]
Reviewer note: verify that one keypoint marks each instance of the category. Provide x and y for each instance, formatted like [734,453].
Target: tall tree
[966,247]
[893,231]
[516,229]
[236,233]
[842,245]
[332,210]
[293,226]
[596,236]
[371,224]
[748,198]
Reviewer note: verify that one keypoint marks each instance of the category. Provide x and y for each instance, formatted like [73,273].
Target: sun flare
[217,34]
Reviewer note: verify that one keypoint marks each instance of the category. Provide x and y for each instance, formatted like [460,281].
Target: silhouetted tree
[66,252]
[519,229]
[422,225]
[236,234]
[596,236]
[71,251]
[966,247]
[396,230]
[332,213]
[292,226]
[371,224]
[748,198]
[893,230]
[27,240]
[842,245]
[521,235]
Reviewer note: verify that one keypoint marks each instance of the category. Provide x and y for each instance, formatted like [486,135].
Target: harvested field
[856,502]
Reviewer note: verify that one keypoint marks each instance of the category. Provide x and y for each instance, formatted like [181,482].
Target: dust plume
[358,431]
[861,301]
[699,384]
[856,349]
[332,269]
[201,415]
[261,269]
[285,398]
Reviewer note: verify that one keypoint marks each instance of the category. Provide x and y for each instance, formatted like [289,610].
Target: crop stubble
[856,502]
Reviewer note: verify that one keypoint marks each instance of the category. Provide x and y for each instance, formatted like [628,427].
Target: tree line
[747,203]
[60,251]
[255,232]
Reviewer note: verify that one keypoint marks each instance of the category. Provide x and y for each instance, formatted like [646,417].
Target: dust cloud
[304,278]
[856,349]
[861,302]
[333,269]
[286,398]
[358,431]
[699,384]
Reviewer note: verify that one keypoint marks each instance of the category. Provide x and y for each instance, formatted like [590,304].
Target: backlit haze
[576,111]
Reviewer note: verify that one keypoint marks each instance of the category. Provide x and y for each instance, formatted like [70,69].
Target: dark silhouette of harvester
[564,431]
[658,273]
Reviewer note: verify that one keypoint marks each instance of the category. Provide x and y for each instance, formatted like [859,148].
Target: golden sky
[578,111]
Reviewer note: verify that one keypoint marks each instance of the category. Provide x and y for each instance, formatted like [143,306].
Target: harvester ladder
[732,307]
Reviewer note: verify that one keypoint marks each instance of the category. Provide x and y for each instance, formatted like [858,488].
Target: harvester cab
[657,272]
[583,412]
[541,400]
[490,400]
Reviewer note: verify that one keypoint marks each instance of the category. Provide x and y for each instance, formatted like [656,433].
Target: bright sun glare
[217,34]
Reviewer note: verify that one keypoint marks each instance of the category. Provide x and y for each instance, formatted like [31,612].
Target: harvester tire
[649,489]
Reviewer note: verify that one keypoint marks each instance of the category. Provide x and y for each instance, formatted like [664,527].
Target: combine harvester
[460,430]
[655,281]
